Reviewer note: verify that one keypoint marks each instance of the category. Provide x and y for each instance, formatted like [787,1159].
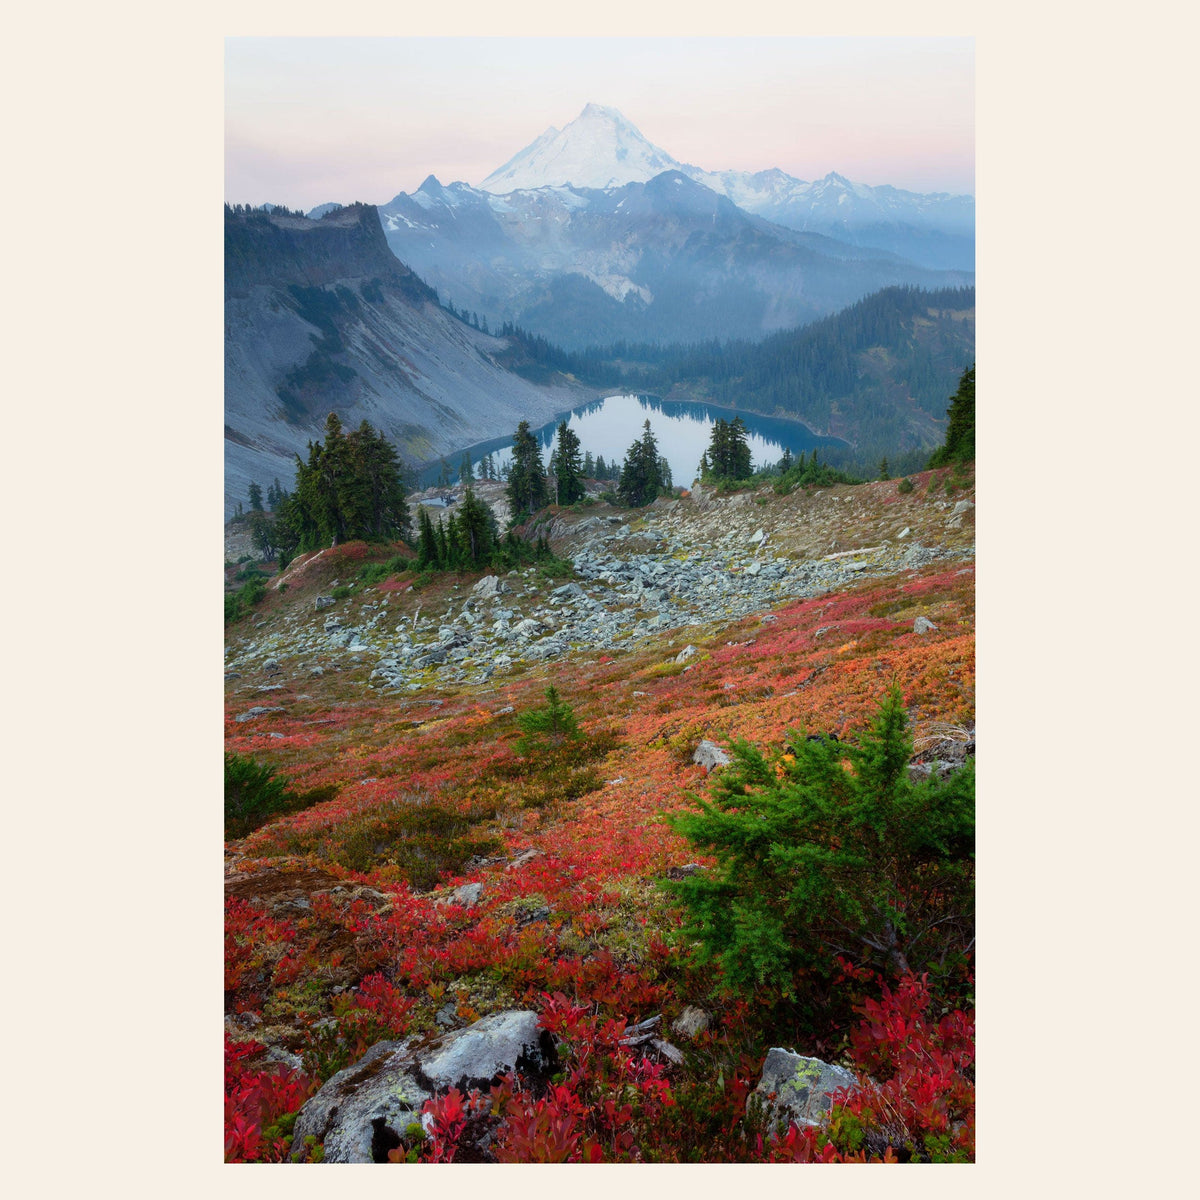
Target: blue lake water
[609,426]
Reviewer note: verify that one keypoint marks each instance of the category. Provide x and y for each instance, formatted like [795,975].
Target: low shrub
[827,845]
[254,794]
[544,730]
[239,603]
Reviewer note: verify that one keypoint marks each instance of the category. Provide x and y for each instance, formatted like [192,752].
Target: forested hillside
[877,374]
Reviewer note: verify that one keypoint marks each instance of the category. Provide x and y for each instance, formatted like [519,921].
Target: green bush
[340,593]
[904,486]
[378,572]
[545,730]
[253,792]
[238,603]
[816,860]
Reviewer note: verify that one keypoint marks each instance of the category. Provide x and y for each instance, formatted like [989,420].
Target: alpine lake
[609,426]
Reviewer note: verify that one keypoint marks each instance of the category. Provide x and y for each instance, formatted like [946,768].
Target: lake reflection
[683,430]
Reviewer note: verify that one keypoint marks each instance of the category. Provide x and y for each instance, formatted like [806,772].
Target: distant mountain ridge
[602,149]
[320,316]
[664,260]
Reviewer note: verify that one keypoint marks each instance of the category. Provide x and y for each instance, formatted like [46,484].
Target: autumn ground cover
[342,926]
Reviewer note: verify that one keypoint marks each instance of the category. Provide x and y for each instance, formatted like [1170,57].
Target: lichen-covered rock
[799,1089]
[364,1111]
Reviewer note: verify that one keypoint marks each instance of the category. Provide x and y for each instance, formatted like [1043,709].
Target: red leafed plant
[917,1102]
[260,1105]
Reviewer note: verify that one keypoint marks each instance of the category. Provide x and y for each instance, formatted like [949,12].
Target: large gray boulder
[798,1089]
[489,587]
[364,1111]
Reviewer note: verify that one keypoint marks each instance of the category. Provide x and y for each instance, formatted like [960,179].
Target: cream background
[1086,249]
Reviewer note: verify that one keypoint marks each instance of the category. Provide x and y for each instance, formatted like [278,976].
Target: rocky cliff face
[320,316]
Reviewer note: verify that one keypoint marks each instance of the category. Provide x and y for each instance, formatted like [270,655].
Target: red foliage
[254,1101]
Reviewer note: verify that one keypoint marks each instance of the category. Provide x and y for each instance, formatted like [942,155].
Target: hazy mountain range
[592,234]
[602,149]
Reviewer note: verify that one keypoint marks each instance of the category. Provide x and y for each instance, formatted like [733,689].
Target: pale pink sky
[315,119]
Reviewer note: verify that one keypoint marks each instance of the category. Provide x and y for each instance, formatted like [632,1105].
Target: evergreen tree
[443,545]
[546,729]
[466,475]
[960,424]
[427,546]
[589,466]
[816,861]
[262,530]
[327,472]
[641,476]
[375,500]
[785,463]
[665,482]
[883,469]
[349,488]
[728,454]
[527,491]
[474,531]
[256,498]
[568,469]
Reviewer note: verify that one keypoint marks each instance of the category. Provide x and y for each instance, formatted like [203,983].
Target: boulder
[468,894]
[489,587]
[709,755]
[798,1089]
[923,625]
[687,652]
[363,1112]
[258,710]
[432,658]
[323,602]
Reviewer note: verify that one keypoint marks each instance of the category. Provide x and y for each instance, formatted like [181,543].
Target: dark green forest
[876,374]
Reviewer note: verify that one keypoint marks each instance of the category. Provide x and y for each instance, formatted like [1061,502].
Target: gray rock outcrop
[363,1111]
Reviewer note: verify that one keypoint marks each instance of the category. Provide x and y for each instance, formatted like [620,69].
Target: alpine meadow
[599,616]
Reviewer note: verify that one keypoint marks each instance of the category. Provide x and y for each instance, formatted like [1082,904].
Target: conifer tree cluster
[808,472]
[349,488]
[466,541]
[566,467]
[645,475]
[728,453]
[527,489]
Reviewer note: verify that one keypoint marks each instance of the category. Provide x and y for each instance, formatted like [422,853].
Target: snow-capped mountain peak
[601,148]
